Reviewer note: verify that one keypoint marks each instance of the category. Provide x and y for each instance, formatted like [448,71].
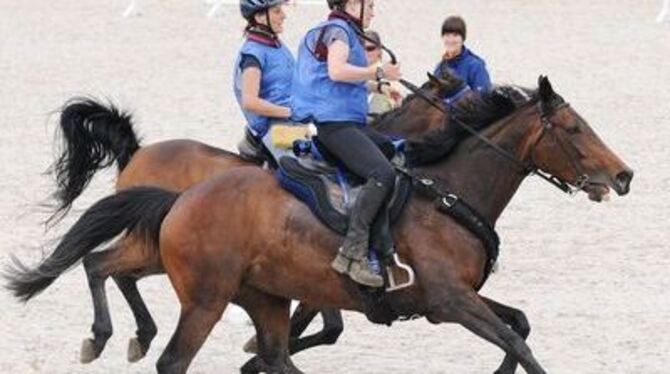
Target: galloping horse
[274,250]
[96,136]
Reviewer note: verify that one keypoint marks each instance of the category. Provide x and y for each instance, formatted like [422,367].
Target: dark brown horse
[274,250]
[96,135]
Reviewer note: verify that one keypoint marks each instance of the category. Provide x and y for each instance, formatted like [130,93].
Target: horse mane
[478,111]
[391,115]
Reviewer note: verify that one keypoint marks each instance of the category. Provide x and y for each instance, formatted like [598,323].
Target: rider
[383,96]
[467,65]
[263,74]
[330,88]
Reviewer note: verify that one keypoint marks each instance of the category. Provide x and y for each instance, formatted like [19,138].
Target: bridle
[548,127]
[527,168]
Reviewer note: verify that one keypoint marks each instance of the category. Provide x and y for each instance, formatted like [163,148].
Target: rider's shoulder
[473,58]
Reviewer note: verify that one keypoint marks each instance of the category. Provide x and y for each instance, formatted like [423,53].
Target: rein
[529,168]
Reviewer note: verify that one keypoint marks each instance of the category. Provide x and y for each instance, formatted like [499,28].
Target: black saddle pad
[327,195]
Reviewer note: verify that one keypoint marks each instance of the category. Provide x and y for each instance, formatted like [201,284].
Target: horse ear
[546,91]
[434,80]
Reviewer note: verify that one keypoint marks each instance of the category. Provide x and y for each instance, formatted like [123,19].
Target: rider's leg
[362,157]
[250,148]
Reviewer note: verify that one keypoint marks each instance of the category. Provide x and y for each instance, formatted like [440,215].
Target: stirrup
[393,285]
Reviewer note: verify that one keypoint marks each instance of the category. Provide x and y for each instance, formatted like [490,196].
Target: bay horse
[97,135]
[240,238]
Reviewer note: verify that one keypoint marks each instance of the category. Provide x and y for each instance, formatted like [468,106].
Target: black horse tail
[95,135]
[139,210]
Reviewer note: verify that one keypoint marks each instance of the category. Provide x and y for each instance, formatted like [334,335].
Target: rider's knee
[385,176]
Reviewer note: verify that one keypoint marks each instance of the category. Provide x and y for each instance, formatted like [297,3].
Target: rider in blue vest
[459,59]
[330,88]
[263,73]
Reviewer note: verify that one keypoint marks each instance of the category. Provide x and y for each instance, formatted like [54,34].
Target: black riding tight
[359,150]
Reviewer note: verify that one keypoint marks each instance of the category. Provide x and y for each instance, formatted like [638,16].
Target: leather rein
[528,168]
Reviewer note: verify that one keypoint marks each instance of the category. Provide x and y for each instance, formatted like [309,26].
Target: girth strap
[455,207]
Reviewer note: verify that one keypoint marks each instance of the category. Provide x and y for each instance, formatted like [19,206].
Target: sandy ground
[591,278]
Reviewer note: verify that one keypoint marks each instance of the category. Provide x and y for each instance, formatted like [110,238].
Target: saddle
[330,191]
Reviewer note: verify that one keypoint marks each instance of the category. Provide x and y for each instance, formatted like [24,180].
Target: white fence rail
[136,8]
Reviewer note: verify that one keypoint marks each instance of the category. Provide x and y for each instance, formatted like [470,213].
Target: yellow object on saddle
[283,135]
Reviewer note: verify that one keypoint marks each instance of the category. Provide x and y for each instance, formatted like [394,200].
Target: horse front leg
[472,312]
[270,315]
[515,319]
[300,320]
[332,329]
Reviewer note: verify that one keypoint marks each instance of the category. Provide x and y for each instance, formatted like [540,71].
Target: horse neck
[412,120]
[479,175]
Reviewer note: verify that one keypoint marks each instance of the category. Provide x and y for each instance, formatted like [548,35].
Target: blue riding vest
[277,64]
[318,98]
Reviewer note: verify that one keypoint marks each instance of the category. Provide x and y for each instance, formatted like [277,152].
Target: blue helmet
[251,7]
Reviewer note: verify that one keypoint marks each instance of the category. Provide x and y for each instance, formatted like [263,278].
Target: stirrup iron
[393,285]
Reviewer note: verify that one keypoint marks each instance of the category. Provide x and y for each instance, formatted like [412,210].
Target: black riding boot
[251,149]
[381,238]
[352,257]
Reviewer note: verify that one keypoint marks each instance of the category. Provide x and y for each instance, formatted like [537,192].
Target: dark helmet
[251,7]
[455,25]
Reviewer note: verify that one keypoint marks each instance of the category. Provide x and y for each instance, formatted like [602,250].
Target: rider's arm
[340,70]
[251,101]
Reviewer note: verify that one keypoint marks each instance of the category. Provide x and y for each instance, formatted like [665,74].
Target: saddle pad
[326,199]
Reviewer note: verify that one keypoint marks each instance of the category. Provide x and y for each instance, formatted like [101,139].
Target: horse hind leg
[119,259]
[204,291]
[195,323]
[146,327]
[517,320]
[102,323]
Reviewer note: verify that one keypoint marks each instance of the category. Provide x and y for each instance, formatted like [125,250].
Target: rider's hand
[391,71]
[393,94]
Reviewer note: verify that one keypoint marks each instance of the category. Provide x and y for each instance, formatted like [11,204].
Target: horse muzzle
[598,188]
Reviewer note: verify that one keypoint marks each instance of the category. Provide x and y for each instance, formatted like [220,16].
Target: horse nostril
[623,179]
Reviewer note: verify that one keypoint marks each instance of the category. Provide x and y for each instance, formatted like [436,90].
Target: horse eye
[572,130]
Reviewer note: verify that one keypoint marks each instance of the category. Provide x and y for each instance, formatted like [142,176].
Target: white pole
[134,9]
[664,16]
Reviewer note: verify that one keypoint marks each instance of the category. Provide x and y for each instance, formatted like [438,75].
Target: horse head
[566,147]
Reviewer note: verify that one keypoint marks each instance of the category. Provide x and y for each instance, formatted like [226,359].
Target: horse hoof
[88,352]
[251,346]
[135,350]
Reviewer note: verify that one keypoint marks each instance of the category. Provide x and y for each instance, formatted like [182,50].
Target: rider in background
[466,65]
[330,88]
[263,74]
[383,96]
